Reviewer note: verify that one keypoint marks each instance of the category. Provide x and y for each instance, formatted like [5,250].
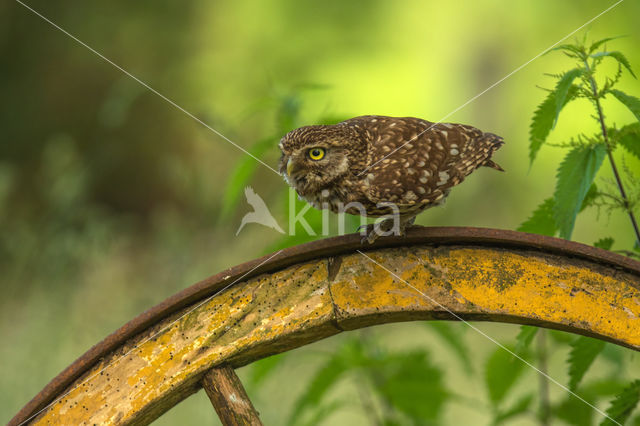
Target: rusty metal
[332,247]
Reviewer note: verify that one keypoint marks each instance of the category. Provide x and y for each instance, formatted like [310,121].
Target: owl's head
[315,156]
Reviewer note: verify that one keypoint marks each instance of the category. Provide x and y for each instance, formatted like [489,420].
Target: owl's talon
[371,237]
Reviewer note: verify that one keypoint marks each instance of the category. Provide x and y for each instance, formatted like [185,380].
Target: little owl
[380,166]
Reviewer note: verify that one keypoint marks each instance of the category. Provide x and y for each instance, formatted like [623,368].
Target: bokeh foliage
[111,199]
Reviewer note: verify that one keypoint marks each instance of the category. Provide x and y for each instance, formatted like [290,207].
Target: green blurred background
[111,199]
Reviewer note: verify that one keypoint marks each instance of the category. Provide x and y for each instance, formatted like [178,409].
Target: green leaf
[541,221]
[412,385]
[241,176]
[521,406]
[524,339]
[324,378]
[260,370]
[604,243]
[629,137]
[574,411]
[592,195]
[584,351]
[623,404]
[562,90]
[501,373]
[567,48]
[454,340]
[629,101]
[618,56]
[599,43]
[543,121]
[574,178]
[323,411]
[561,337]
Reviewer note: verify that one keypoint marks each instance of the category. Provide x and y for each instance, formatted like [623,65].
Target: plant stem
[605,136]
[367,404]
[545,410]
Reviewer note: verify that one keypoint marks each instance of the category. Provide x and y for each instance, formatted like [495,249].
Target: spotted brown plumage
[372,161]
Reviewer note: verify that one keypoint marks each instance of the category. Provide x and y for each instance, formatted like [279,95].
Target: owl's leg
[405,222]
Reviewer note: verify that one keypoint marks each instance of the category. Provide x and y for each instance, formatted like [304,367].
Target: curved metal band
[316,290]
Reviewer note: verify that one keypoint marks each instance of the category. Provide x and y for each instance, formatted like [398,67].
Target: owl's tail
[493,165]
[496,143]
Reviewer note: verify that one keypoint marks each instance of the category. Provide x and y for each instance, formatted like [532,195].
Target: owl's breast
[345,196]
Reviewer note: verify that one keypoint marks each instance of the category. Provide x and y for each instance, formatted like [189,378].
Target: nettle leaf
[629,101]
[412,385]
[629,137]
[618,56]
[501,373]
[562,90]
[604,243]
[521,406]
[524,338]
[543,121]
[454,340]
[599,43]
[541,221]
[623,405]
[326,376]
[570,48]
[574,178]
[584,351]
[574,411]
[592,195]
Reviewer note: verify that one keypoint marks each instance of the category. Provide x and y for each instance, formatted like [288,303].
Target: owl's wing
[413,161]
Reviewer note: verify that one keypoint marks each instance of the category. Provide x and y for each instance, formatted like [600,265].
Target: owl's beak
[293,167]
[289,167]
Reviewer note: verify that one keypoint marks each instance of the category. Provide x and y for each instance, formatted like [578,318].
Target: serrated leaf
[561,336]
[241,176]
[574,178]
[573,411]
[629,137]
[599,43]
[543,121]
[562,89]
[521,406]
[618,56]
[584,351]
[501,373]
[412,385]
[454,340]
[566,47]
[592,195]
[629,101]
[524,338]
[604,243]
[324,378]
[541,221]
[623,405]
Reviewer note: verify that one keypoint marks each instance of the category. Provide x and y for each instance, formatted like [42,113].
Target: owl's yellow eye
[316,153]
